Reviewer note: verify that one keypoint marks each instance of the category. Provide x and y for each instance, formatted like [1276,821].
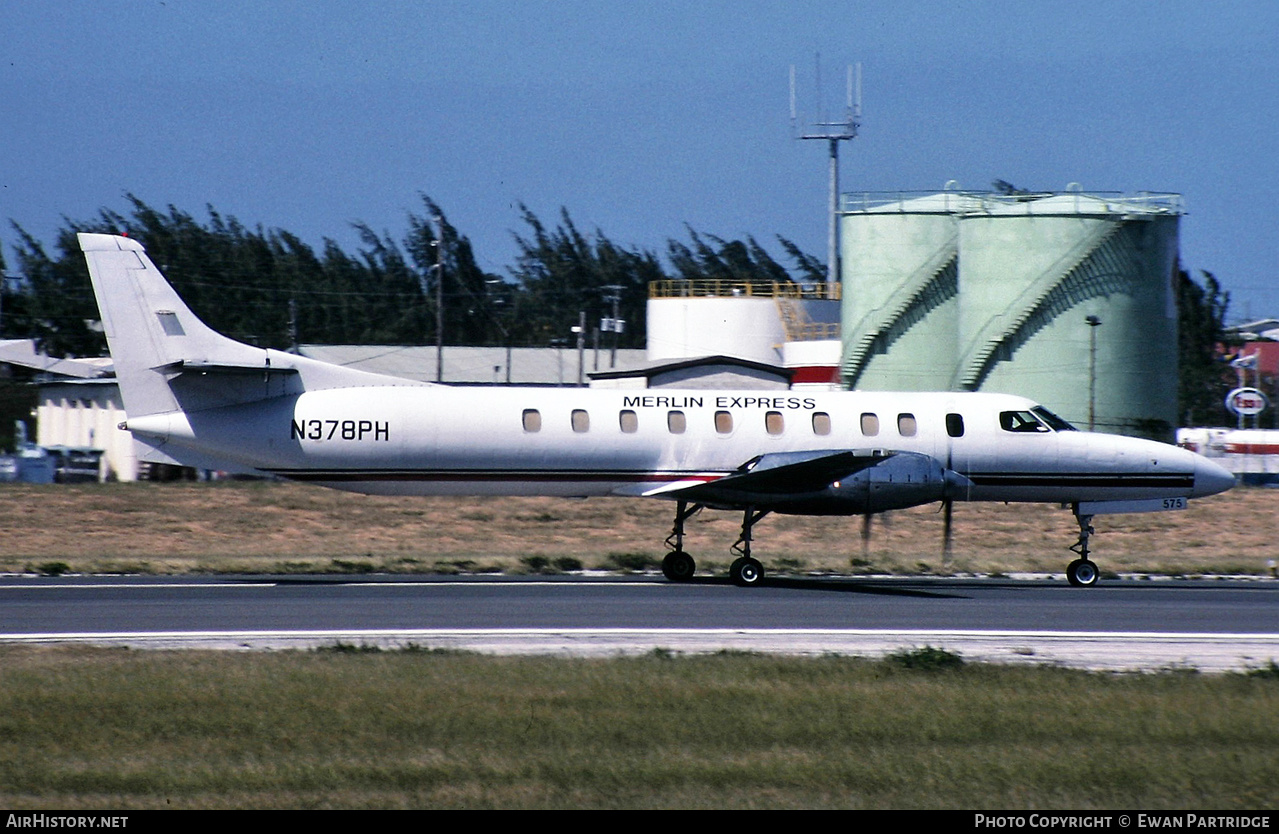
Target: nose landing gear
[1083,572]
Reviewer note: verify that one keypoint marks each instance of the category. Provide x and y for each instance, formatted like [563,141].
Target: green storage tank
[1064,297]
[900,256]
[1069,299]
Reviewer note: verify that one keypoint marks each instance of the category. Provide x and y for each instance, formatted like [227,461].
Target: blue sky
[639,117]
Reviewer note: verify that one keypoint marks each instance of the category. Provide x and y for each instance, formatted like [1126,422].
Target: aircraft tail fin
[166,359]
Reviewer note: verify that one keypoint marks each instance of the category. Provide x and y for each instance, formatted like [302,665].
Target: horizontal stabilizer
[183,366]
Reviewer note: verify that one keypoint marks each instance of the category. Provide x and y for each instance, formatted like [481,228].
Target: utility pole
[438,243]
[580,330]
[613,293]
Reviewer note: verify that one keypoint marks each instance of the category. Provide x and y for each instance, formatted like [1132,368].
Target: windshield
[1053,420]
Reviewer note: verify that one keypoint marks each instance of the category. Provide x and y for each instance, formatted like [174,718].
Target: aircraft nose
[1210,478]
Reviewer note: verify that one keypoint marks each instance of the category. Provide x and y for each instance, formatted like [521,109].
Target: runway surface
[1210,625]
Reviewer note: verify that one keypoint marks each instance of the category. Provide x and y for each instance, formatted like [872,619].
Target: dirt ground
[261,527]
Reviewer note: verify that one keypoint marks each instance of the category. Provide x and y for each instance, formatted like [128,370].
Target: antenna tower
[833,132]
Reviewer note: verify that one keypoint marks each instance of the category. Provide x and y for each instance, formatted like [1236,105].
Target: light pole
[498,301]
[1093,324]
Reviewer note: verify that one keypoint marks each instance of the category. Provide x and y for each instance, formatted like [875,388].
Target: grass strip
[349,728]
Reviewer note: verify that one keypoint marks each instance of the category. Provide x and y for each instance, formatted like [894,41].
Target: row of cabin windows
[774,422]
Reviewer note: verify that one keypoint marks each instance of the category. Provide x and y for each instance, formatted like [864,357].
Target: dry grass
[284,527]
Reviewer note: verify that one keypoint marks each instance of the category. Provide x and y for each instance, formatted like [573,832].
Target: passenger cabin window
[821,422]
[1020,421]
[532,420]
[773,422]
[870,424]
[955,425]
[723,422]
[906,425]
[581,420]
[676,422]
[628,421]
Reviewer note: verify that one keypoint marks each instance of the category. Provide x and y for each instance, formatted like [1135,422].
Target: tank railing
[1094,202]
[953,202]
[716,288]
[965,202]
[799,327]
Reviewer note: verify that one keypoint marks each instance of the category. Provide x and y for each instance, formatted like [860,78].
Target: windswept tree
[562,273]
[711,258]
[54,304]
[1204,375]
[476,303]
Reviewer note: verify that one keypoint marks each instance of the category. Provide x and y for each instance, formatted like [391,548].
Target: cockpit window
[1052,420]
[1020,421]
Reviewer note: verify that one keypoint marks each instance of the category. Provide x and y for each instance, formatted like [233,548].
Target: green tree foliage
[475,302]
[54,303]
[708,257]
[261,287]
[267,287]
[1205,376]
[562,273]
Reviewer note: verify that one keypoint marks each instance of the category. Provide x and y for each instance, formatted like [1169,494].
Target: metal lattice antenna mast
[833,132]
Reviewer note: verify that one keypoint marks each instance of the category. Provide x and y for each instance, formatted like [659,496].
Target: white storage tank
[746,319]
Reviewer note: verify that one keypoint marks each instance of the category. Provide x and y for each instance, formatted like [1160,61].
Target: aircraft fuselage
[439,440]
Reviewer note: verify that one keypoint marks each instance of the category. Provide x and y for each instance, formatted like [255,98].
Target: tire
[746,572]
[678,566]
[1082,573]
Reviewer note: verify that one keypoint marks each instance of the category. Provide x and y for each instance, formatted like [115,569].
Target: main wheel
[1082,573]
[746,572]
[678,566]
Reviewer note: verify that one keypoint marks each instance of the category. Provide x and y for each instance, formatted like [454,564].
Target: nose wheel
[1082,573]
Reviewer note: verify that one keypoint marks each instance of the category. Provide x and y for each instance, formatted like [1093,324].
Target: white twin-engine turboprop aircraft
[195,397]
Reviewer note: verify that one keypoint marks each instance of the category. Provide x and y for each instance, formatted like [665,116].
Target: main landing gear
[678,566]
[1083,572]
[746,570]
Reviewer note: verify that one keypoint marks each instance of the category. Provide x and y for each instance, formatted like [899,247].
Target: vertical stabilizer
[168,360]
[149,329]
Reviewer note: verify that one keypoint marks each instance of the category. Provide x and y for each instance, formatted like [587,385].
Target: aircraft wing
[783,474]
